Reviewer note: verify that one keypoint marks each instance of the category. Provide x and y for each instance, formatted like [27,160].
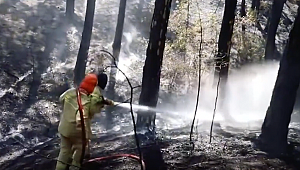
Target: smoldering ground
[248,94]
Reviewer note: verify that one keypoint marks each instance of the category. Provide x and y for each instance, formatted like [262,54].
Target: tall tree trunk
[79,71]
[277,8]
[255,5]
[275,127]
[70,5]
[117,47]
[116,52]
[151,81]
[153,63]
[243,55]
[243,14]
[224,44]
[223,56]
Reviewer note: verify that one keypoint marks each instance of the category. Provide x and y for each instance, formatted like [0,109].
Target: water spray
[143,109]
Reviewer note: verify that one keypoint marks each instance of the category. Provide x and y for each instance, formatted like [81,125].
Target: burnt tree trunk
[223,55]
[277,8]
[70,6]
[153,63]
[275,127]
[243,14]
[116,52]
[255,5]
[117,47]
[224,43]
[79,71]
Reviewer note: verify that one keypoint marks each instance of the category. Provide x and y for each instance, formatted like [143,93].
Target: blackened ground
[33,35]
[227,151]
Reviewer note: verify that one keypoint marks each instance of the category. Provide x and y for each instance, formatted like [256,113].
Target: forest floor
[37,50]
[227,151]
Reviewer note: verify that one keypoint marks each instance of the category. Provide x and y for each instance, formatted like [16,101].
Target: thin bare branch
[131,109]
[199,84]
[215,108]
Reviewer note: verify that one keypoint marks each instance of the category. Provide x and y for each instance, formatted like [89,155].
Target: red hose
[80,108]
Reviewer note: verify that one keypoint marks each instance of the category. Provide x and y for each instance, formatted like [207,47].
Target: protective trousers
[70,153]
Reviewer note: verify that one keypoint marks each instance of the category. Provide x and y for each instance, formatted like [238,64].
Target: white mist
[247,98]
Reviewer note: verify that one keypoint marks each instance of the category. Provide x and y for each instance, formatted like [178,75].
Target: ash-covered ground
[37,55]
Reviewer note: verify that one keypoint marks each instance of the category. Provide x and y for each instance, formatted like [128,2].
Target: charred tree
[274,130]
[116,52]
[223,55]
[255,5]
[224,43]
[79,71]
[70,6]
[117,47]
[153,63]
[243,13]
[277,8]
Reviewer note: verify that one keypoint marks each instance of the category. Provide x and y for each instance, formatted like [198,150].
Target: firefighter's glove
[110,102]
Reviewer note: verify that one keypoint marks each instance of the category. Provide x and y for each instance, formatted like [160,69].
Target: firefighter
[70,123]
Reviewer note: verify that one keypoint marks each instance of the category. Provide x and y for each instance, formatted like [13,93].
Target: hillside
[38,51]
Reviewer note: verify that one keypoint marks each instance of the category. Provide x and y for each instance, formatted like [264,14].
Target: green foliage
[249,44]
[265,5]
[180,27]
[252,16]
[180,64]
[181,55]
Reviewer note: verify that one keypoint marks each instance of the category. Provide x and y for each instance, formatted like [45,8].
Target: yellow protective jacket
[70,125]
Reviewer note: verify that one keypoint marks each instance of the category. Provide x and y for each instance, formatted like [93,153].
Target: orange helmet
[89,82]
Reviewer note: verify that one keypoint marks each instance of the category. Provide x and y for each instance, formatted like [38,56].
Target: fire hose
[80,108]
[84,141]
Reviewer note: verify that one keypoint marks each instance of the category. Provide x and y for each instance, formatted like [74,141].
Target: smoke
[247,99]
[126,57]
[250,91]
